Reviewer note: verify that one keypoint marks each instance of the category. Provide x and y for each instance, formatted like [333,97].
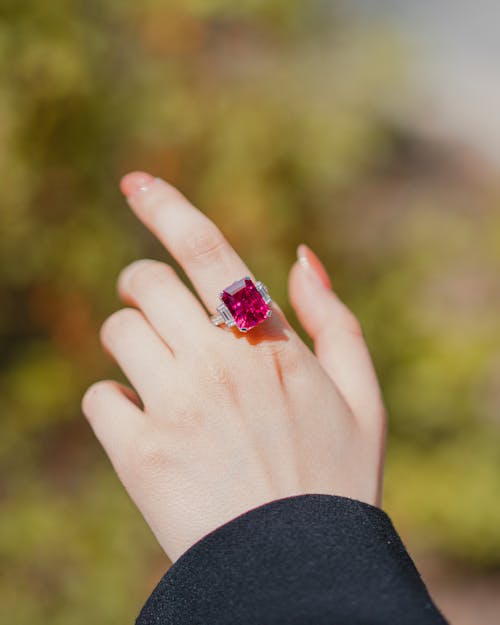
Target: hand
[229,421]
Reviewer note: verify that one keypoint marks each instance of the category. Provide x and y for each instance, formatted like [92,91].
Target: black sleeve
[307,560]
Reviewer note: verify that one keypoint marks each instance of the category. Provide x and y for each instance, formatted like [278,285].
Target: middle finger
[193,240]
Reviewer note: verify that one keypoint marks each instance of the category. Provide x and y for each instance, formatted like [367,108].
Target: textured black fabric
[308,560]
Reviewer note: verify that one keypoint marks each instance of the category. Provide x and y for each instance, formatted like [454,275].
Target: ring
[244,304]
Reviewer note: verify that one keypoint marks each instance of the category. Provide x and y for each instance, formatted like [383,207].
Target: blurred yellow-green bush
[269,115]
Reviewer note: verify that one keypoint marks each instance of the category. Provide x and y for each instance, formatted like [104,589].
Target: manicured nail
[311,263]
[135,182]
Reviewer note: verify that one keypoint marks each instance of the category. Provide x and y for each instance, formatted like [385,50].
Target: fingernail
[312,264]
[135,182]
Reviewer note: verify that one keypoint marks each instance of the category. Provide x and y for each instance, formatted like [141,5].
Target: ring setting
[244,305]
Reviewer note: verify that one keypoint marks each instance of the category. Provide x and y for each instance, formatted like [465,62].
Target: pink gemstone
[245,303]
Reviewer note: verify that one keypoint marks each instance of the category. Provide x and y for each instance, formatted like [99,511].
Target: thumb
[338,339]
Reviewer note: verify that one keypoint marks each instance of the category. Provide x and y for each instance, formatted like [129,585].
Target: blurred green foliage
[267,114]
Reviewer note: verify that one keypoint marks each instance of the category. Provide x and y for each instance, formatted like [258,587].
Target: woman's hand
[229,421]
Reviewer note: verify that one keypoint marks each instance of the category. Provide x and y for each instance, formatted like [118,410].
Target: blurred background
[369,130]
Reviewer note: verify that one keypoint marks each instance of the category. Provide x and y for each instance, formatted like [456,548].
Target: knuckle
[219,374]
[117,322]
[284,358]
[286,355]
[145,274]
[157,202]
[214,371]
[92,396]
[210,365]
[201,242]
[149,454]
[351,324]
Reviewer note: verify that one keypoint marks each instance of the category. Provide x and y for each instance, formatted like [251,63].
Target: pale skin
[218,422]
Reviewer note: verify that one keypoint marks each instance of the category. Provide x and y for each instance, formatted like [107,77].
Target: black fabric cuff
[306,560]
